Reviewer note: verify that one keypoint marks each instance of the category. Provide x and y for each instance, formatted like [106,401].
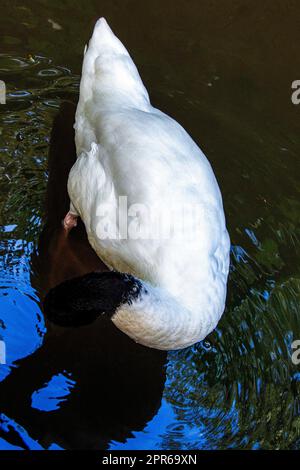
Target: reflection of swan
[117,385]
[175,293]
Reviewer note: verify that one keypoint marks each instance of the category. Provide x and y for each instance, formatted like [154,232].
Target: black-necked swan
[165,291]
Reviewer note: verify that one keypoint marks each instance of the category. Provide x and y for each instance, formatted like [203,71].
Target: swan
[167,289]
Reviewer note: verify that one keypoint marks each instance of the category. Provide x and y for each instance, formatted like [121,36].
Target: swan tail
[103,39]
[109,78]
[103,48]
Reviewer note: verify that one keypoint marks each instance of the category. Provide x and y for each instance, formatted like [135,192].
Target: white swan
[174,292]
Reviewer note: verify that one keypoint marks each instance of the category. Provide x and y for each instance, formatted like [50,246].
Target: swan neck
[157,320]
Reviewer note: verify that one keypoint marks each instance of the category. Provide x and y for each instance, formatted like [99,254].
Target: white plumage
[125,147]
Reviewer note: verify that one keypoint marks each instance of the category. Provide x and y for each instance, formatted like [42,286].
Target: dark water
[224,70]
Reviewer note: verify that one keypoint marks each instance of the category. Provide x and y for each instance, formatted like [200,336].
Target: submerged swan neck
[149,315]
[81,300]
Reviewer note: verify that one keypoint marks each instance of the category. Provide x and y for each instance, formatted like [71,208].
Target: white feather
[126,147]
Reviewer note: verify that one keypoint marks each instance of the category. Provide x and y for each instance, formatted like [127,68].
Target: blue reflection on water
[8,425]
[21,322]
[22,326]
[151,436]
[50,397]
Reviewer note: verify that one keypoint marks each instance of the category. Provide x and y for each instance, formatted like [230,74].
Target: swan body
[126,147]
